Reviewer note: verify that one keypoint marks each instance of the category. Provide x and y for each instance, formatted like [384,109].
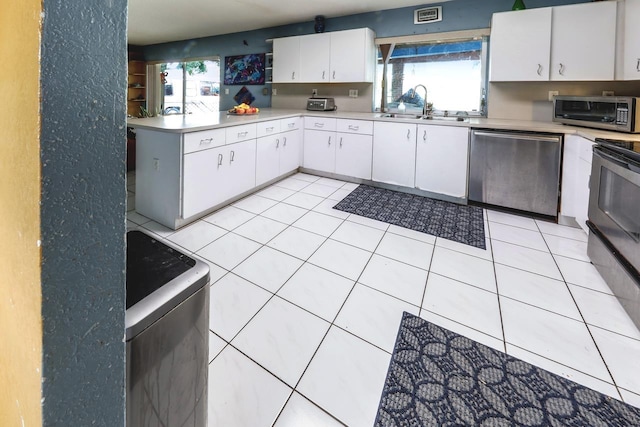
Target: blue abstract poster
[244,69]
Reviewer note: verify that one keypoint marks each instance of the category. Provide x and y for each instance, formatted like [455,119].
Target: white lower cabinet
[442,160]
[277,155]
[394,153]
[267,158]
[353,155]
[319,144]
[212,176]
[576,173]
[319,150]
[290,144]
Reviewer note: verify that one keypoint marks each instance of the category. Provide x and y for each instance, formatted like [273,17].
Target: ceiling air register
[427,15]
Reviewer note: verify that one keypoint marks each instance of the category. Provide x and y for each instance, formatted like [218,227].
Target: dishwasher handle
[520,136]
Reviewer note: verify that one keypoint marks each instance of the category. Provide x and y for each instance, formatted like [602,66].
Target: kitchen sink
[421,117]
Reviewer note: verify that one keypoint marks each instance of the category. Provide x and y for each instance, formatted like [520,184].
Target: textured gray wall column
[83,138]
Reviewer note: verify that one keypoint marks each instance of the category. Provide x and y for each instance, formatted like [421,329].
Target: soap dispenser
[401,107]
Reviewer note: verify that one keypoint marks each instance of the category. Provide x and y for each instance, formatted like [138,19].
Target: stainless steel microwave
[617,113]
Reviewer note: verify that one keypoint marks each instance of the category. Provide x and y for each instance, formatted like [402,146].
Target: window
[188,87]
[452,71]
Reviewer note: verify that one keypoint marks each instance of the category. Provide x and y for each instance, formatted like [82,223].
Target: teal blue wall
[82,151]
[457,15]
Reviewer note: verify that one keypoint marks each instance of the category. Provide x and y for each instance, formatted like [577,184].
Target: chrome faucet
[424,107]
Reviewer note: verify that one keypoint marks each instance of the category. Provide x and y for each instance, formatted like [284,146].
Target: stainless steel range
[614,220]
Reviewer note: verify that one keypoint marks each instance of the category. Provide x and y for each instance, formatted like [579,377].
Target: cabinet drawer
[196,141]
[240,133]
[320,123]
[355,126]
[292,123]
[268,128]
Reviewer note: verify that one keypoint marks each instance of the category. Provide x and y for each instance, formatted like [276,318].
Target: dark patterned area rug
[451,221]
[439,378]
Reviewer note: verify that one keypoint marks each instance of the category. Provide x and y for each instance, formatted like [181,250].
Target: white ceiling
[159,21]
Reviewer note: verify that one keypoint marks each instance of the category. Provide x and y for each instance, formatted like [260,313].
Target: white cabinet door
[241,164]
[520,45]
[353,155]
[267,158]
[204,183]
[212,176]
[290,143]
[442,160]
[314,58]
[576,173]
[569,175]
[394,153]
[631,61]
[583,40]
[319,150]
[286,60]
[352,56]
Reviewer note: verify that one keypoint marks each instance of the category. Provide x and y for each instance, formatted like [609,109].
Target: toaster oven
[321,104]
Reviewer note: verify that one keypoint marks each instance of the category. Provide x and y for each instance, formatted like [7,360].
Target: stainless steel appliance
[614,220]
[321,104]
[516,170]
[617,113]
[167,335]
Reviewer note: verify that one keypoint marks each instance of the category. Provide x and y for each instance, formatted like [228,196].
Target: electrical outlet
[553,93]
[314,92]
[274,92]
[265,91]
[226,91]
[353,93]
[608,93]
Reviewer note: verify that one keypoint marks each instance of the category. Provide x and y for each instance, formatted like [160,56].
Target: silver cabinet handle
[277,143]
[319,125]
[353,127]
[424,137]
[323,73]
[638,65]
[269,129]
[232,155]
[340,142]
[242,134]
[334,74]
[219,160]
[408,133]
[329,141]
[539,69]
[561,70]
[206,141]
[284,141]
[293,75]
[290,125]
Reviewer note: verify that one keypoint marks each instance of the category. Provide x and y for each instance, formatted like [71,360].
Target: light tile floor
[306,302]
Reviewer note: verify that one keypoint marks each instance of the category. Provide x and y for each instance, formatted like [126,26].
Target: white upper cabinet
[631,55]
[314,58]
[352,56]
[583,41]
[340,56]
[286,60]
[520,45]
[574,42]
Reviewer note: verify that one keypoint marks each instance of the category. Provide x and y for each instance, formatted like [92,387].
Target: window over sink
[451,66]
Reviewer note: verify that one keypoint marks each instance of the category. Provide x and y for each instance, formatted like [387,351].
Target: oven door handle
[619,162]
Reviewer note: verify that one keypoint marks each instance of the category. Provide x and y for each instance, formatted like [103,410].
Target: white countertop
[179,123]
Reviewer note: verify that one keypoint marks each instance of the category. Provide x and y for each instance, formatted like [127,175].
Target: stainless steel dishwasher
[515,170]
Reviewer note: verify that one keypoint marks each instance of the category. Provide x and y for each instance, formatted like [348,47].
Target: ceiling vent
[427,15]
